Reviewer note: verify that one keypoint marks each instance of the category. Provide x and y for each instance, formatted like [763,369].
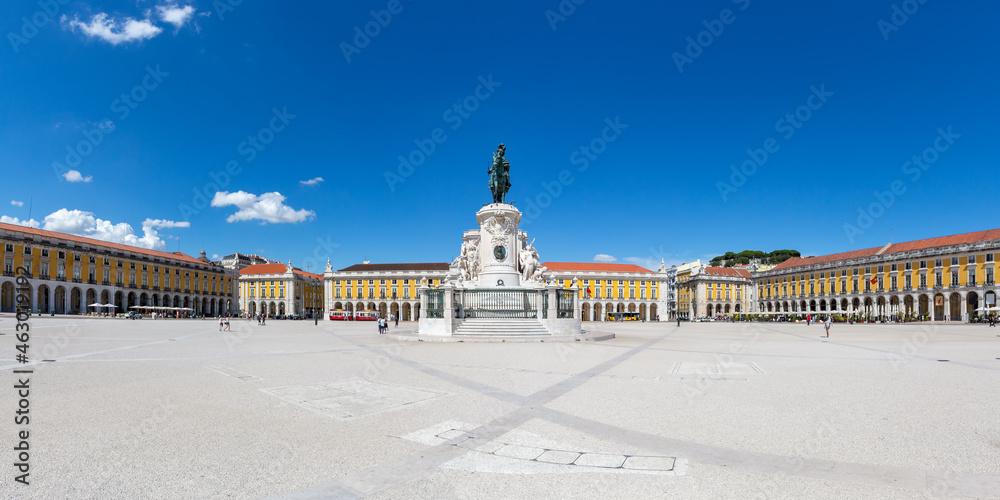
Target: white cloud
[76,176]
[163,224]
[216,256]
[85,224]
[112,30]
[17,203]
[268,207]
[14,220]
[603,257]
[175,15]
[312,182]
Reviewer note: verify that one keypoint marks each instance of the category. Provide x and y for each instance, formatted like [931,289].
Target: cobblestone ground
[178,409]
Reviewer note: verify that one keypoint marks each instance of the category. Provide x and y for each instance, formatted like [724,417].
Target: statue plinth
[498,247]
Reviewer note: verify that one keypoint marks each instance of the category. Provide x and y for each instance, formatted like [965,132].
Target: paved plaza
[177,409]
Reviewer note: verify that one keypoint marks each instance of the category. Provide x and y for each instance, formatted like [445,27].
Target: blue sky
[625,124]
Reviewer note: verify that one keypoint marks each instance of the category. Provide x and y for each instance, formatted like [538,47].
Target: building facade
[718,291]
[386,288]
[685,272]
[68,274]
[280,289]
[668,291]
[947,279]
[238,261]
[394,288]
[610,288]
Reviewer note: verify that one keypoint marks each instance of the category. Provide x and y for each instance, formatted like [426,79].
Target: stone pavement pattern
[176,409]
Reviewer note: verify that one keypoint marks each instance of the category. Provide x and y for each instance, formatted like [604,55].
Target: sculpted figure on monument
[528,260]
[472,261]
[467,263]
[499,173]
[459,263]
[539,275]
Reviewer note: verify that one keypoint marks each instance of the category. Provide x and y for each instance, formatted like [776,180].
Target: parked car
[133,315]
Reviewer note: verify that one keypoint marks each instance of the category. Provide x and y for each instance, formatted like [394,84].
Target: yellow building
[394,288]
[69,274]
[944,278]
[280,289]
[685,273]
[717,291]
[610,288]
[386,288]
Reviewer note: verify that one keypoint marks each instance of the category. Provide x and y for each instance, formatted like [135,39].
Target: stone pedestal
[484,295]
[498,246]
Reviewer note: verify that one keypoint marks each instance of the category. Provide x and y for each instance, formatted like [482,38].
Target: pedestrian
[227,324]
[678,320]
[397,320]
[827,325]
[220,322]
[258,320]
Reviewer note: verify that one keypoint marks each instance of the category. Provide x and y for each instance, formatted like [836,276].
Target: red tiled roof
[276,269]
[595,266]
[426,266]
[895,248]
[805,261]
[99,243]
[727,271]
[945,241]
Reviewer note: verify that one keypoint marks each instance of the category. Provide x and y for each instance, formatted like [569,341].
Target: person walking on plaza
[220,322]
[227,325]
[827,325]
[396,317]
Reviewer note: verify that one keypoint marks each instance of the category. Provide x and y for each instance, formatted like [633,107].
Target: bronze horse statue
[499,175]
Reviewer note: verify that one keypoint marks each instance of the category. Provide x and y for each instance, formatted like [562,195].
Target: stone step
[501,327]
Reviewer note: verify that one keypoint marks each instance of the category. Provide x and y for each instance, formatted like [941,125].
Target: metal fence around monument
[564,303]
[500,303]
[435,303]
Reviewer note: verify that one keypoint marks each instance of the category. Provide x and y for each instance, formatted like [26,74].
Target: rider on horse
[499,175]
